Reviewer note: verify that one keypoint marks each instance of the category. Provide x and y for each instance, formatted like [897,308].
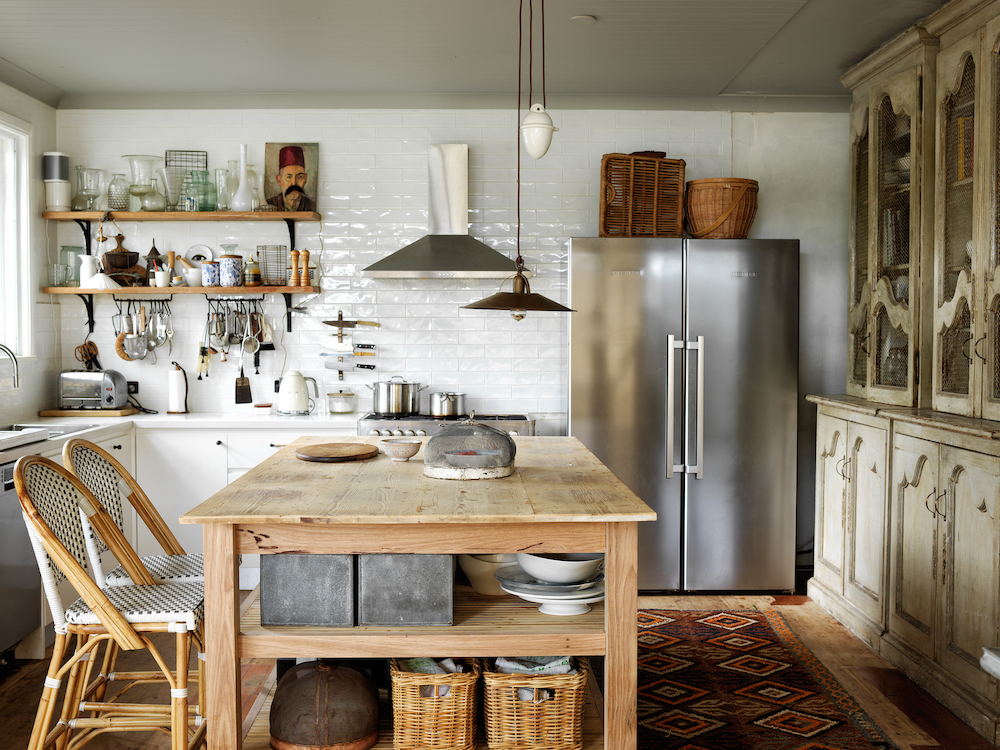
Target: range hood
[447,251]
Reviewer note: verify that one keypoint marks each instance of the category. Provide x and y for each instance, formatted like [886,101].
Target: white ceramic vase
[242,200]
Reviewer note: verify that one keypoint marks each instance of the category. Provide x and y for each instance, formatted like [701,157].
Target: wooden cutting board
[127,411]
[331,453]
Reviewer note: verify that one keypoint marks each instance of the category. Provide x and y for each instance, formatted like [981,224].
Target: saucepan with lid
[392,398]
[447,404]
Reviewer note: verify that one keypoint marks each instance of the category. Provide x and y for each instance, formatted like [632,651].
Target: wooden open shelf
[184,215]
[161,290]
[483,626]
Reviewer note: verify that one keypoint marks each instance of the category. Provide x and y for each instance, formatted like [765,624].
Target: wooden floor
[908,716]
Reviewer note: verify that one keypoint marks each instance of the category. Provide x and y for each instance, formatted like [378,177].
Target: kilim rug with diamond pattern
[740,680]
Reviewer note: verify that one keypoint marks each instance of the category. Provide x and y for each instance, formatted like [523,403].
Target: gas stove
[424,424]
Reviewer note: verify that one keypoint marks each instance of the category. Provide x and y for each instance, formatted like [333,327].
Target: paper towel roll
[176,392]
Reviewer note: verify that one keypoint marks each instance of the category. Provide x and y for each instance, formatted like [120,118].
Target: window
[15,245]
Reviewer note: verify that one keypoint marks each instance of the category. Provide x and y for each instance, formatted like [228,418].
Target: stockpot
[447,404]
[396,399]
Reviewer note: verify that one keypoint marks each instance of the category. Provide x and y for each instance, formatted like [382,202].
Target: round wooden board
[331,453]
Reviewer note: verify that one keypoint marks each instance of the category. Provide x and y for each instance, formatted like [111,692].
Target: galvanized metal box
[406,589]
[307,590]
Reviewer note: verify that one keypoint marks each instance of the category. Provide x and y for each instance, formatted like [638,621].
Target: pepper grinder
[304,276]
[294,281]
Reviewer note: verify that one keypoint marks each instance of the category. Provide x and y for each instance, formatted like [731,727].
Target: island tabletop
[559,499]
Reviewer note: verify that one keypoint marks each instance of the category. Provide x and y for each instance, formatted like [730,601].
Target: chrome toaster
[82,389]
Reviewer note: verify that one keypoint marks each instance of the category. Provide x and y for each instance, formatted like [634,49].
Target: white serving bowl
[401,449]
[192,276]
[561,567]
[480,573]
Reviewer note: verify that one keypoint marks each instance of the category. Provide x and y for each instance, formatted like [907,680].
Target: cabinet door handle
[927,501]
[964,354]
[843,472]
[116,447]
[937,510]
[218,442]
[839,470]
[976,347]
[278,445]
[863,342]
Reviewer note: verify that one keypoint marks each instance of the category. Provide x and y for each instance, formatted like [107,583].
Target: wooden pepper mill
[304,276]
[294,281]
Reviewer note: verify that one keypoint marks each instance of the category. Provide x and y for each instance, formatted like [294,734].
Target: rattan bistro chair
[123,617]
[104,476]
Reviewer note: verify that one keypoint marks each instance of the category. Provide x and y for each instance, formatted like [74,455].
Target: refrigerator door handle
[699,468]
[672,344]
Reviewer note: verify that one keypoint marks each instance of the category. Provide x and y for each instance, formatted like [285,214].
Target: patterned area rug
[740,681]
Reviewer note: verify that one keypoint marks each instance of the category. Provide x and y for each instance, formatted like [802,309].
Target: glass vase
[222,189]
[118,195]
[233,178]
[154,200]
[242,199]
[202,190]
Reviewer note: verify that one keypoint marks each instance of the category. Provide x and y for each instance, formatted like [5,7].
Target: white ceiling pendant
[536,128]
[536,131]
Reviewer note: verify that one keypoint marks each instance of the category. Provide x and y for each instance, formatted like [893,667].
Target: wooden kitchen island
[560,499]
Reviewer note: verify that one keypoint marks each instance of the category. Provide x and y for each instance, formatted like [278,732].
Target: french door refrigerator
[684,382]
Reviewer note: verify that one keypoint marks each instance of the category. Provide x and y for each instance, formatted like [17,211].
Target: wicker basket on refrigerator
[642,195]
[720,208]
[555,723]
[434,722]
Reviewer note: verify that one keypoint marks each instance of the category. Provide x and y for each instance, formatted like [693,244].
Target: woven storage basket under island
[642,195]
[720,208]
[555,723]
[438,722]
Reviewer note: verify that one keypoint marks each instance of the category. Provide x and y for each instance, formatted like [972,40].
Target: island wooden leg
[621,661]
[222,665]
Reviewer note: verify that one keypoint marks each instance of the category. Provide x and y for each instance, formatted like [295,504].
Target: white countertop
[109,426]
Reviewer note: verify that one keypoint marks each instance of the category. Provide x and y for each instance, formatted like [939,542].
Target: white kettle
[293,396]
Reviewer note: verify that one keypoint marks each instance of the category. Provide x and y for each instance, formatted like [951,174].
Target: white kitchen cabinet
[851,518]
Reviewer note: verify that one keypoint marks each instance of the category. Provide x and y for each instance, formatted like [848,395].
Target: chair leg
[107,667]
[179,699]
[75,685]
[47,703]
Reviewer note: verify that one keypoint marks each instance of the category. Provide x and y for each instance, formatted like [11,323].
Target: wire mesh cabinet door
[895,166]
[958,241]
[859,291]
[987,350]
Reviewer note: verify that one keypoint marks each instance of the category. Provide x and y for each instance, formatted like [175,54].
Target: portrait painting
[291,175]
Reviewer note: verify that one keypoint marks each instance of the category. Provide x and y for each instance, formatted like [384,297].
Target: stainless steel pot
[396,399]
[447,404]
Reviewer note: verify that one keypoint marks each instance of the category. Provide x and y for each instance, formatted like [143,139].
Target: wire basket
[273,261]
[186,160]
[552,719]
[442,722]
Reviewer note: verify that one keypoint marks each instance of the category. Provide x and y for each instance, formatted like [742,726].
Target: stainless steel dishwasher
[20,583]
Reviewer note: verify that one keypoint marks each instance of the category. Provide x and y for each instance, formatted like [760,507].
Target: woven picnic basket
[548,721]
[642,195]
[442,722]
[720,208]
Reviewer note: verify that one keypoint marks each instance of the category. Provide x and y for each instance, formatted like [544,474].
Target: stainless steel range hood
[447,251]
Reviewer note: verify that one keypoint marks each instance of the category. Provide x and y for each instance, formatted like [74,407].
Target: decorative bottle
[154,200]
[242,200]
[118,195]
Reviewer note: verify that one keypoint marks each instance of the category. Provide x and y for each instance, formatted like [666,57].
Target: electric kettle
[293,396]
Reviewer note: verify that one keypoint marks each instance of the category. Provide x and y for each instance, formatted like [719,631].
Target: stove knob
[513,433]
[410,433]
[374,432]
[398,432]
[421,432]
[385,433]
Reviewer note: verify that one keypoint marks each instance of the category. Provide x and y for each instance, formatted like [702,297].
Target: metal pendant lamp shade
[519,300]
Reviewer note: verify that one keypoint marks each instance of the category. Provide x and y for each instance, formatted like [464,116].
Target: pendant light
[521,299]
[536,128]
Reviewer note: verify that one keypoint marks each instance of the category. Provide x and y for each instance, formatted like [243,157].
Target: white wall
[38,369]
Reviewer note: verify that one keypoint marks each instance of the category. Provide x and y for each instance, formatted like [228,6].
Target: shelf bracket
[88,302]
[85,228]
[291,234]
[288,310]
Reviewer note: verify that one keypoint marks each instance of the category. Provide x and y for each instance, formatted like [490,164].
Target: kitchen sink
[14,435]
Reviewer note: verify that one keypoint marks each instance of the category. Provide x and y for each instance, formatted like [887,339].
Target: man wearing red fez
[291,180]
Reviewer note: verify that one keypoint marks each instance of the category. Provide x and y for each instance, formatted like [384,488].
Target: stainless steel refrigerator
[684,382]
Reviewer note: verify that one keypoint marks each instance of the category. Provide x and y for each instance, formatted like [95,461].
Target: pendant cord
[517,122]
[544,103]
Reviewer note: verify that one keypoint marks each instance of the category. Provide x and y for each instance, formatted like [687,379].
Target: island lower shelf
[483,626]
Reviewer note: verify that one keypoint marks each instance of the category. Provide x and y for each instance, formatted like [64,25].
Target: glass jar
[341,402]
[202,191]
[69,255]
[251,273]
[118,194]
[221,190]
